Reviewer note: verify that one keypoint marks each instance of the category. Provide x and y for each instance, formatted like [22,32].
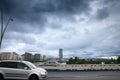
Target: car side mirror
[26,68]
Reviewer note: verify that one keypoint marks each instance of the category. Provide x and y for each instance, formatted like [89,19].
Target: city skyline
[84,28]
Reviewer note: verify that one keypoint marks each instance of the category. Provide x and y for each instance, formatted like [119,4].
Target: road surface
[84,75]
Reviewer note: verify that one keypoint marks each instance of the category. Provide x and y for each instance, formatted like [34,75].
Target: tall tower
[60,55]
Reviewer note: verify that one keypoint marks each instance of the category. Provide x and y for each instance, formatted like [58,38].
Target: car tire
[33,77]
[1,77]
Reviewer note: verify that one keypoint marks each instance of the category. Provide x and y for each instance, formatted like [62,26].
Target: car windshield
[31,65]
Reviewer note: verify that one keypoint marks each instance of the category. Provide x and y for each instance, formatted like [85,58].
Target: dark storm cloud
[63,6]
[20,9]
[33,10]
[36,12]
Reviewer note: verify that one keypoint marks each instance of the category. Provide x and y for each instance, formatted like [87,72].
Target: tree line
[77,60]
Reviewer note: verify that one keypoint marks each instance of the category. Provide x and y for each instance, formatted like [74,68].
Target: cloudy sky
[83,28]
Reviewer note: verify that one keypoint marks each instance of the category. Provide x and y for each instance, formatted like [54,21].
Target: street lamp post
[3,28]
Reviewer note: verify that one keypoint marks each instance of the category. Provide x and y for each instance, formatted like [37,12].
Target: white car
[11,69]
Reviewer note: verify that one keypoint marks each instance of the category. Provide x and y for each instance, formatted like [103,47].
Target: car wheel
[34,77]
[1,77]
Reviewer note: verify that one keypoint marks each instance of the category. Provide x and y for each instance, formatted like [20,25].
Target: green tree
[70,61]
[76,60]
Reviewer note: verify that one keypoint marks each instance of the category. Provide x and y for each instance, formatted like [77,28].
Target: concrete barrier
[82,67]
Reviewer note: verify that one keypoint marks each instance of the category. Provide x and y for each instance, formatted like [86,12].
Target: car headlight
[43,71]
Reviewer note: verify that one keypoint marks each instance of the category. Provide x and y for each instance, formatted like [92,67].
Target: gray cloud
[80,27]
[102,14]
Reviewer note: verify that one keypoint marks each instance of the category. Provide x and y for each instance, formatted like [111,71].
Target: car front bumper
[43,77]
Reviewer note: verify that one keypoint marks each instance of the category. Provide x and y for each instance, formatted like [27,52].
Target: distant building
[53,59]
[37,57]
[27,56]
[109,57]
[60,55]
[9,56]
[44,58]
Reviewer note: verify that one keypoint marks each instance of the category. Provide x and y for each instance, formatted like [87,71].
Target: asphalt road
[84,75]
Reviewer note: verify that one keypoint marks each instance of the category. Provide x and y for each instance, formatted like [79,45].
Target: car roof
[12,61]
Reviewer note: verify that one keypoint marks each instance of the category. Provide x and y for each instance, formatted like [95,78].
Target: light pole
[3,28]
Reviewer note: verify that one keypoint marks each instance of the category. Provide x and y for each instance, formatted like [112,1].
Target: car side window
[2,64]
[8,64]
[22,66]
